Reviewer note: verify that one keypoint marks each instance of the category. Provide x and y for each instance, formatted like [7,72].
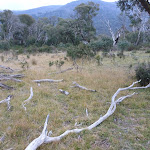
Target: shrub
[120,54]
[96,45]
[45,48]
[123,45]
[2,58]
[143,73]
[105,44]
[34,62]
[132,47]
[4,45]
[99,59]
[51,63]
[80,51]
[148,51]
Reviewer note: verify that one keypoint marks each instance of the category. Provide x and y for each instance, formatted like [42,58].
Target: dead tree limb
[76,85]
[27,100]
[2,78]
[47,80]
[61,71]
[5,77]
[4,86]
[7,100]
[15,75]
[45,138]
[6,68]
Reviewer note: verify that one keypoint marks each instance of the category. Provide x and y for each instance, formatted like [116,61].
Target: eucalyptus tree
[138,12]
[84,23]
[27,21]
[8,25]
[126,5]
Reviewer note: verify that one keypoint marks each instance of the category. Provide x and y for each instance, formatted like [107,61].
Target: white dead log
[44,138]
[47,80]
[64,92]
[7,100]
[27,100]
[82,87]
[62,71]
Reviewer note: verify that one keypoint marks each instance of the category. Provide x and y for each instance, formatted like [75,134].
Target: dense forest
[82,24]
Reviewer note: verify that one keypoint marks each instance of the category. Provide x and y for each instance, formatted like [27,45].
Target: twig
[27,100]
[82,87]
[61,71]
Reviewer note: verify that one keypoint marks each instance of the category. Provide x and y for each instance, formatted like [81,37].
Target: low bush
[4,45]
[143,73]
[123,45]
[34,62]
[104,44]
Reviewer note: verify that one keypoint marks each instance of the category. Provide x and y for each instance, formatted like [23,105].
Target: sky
[28,4]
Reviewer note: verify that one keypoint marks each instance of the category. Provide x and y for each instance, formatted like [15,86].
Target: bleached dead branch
[4,86]
[2,78]
[26,101]
[87,114]
[64,92]
[15,75]
[7,100]
[44,138]
[47,80]
[6,68]
[61,71]
[82,87]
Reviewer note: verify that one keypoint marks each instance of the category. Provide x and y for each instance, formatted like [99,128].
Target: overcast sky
[28,4]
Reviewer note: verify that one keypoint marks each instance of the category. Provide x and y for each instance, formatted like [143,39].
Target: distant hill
[108,10]
[38,11]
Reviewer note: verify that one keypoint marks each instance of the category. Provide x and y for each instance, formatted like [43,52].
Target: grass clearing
[128,128]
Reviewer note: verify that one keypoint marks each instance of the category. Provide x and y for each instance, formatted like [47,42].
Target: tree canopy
[126,5]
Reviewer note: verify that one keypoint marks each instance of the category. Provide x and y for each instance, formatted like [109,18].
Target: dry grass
[128,128]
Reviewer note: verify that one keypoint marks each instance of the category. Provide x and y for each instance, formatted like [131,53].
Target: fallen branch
[64,92]
[61,71]
[7,68]
[45,138]
[15,75]
[4,86]
[2,78]
[82,87]
[47,80]
[26,101]
[7,100]
[86,110]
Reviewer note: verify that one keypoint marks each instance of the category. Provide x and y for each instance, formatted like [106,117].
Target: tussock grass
[127,128]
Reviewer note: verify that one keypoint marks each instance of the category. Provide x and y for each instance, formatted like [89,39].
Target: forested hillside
[108,11]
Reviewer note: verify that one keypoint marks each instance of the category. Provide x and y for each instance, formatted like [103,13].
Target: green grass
[128,128]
